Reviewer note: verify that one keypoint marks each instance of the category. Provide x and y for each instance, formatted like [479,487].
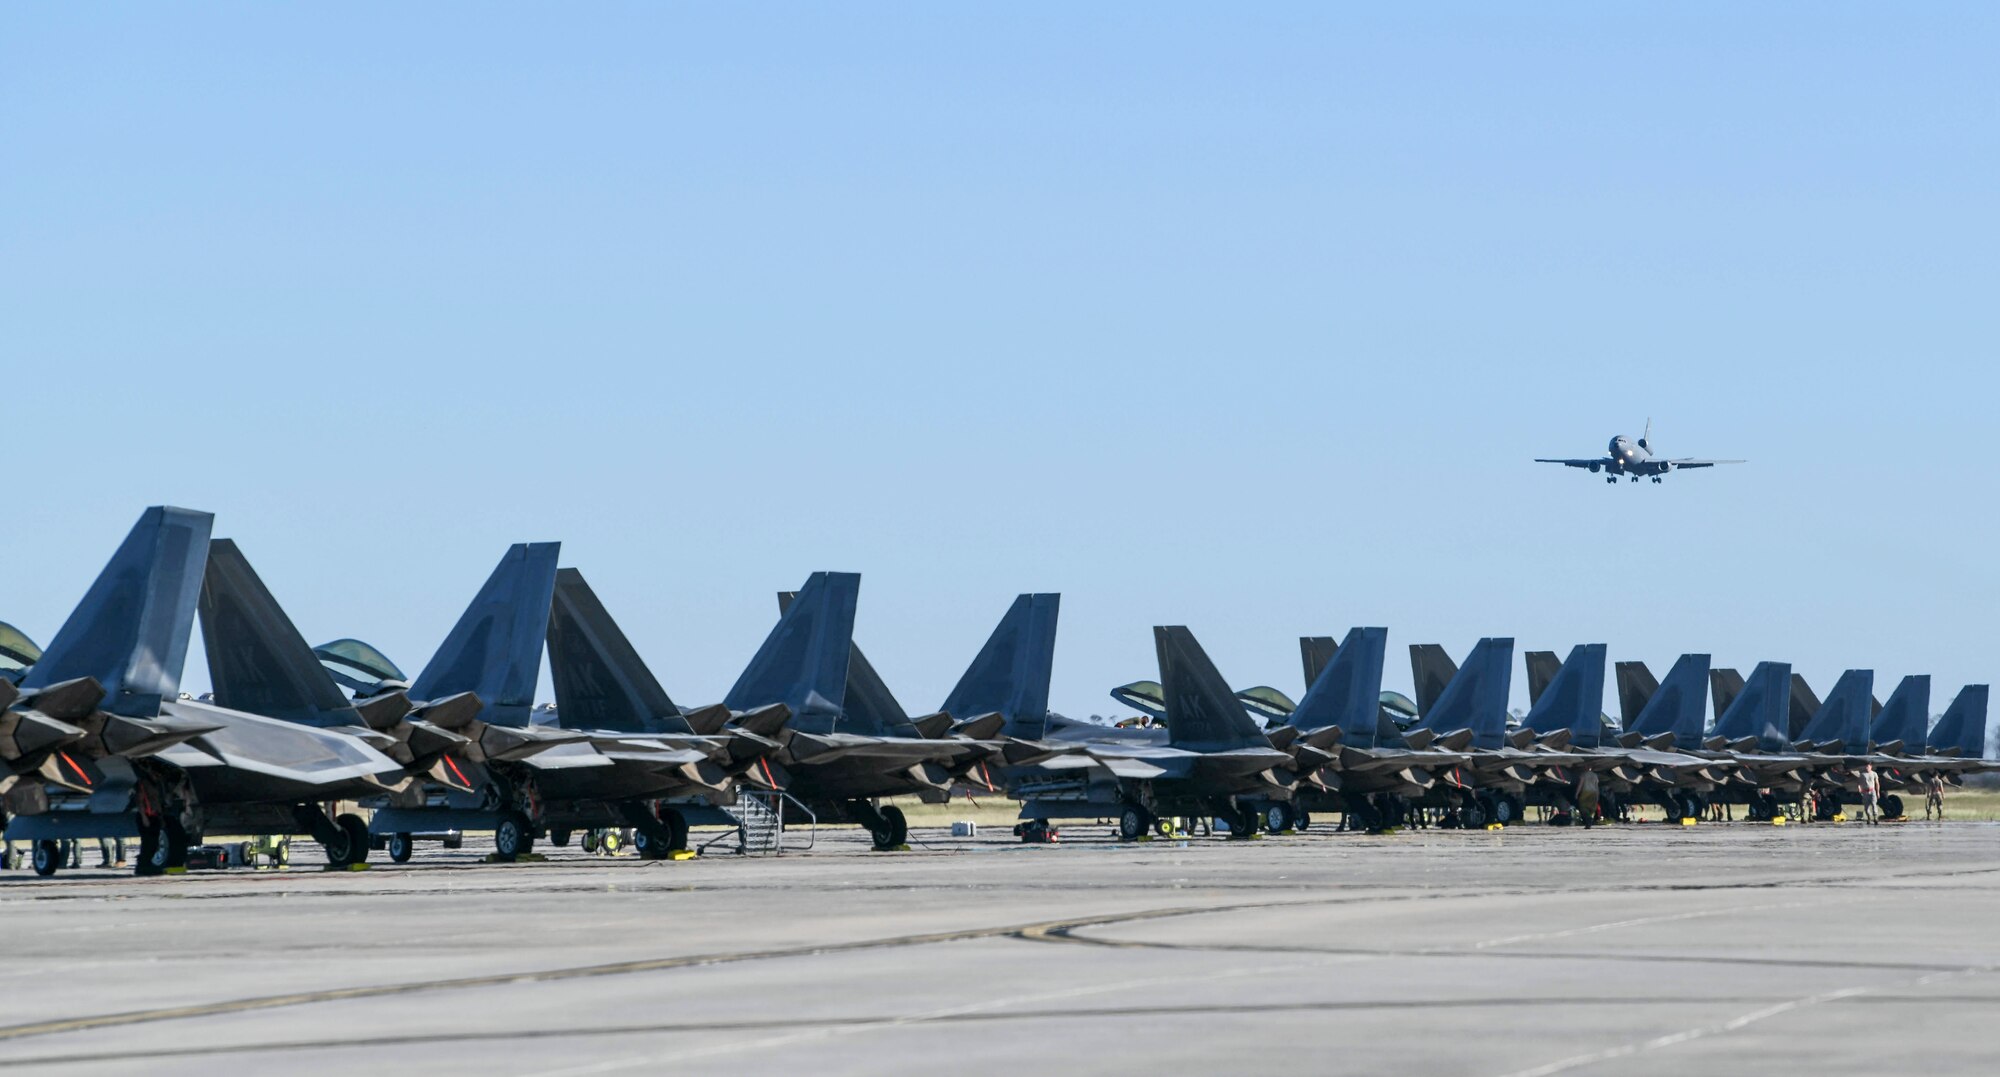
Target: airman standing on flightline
[1871,788]
[1586,798]
[1934,796]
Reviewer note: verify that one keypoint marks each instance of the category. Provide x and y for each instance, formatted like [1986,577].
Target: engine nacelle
[1664,467]
[1593,469]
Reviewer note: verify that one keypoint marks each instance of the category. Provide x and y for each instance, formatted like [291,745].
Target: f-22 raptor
[1634,458]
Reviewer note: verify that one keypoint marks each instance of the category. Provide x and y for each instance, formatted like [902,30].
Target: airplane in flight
[1625,456]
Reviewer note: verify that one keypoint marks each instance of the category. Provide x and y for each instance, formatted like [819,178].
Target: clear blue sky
[1245,319]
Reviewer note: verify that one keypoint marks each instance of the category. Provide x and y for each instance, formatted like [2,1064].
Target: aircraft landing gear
[48,858]
[1656,478]
[1133,823]
[1635,478]
[1613,479]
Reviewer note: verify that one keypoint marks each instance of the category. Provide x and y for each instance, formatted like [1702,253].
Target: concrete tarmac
[1641,949]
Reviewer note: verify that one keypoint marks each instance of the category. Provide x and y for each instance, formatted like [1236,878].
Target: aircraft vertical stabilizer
[1431,669]
[1725,685]
[803,662]
[1348,691]
[132,629]
[1906,717]
[495,649]
[1635,688]
[1010,675]
[1202,711]
[1314,653]
[1542,669]
[1963,726]
[1476,698]
[258,662]
[1760,710]
[1844,715]
[1678,706]
[1804,705]
[1573,698]
[600,680]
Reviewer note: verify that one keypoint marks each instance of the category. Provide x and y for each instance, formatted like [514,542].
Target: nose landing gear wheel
[48,858]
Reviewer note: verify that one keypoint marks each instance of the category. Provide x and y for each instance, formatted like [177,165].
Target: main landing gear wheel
[352,848]
[48,857]
[1304,821]
[1243,822]
[1132,823]
[663,842]
[514,837]
[894,829]
[1892,807]
[559,838]
[1278,818]
[162,845]
[401,845]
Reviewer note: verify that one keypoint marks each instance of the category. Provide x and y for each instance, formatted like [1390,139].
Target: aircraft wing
[1593,462]
[1683,464]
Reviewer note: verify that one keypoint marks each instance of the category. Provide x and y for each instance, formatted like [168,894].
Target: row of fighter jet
[97,740]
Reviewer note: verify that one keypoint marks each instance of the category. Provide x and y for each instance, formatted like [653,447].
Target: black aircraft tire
[1132,823]
[1892,807]
[1243,822]
[677,827]
[1278,818]
[650,846]
[401,846]
[173,844]
[358,843]
[559,838]
[898,830]
[148,861]
[48,857]
[590,841]
[1473,817]
[513,837]
[1304,821]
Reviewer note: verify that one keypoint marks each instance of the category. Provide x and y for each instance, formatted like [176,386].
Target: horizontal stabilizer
[982,726]
[65,701]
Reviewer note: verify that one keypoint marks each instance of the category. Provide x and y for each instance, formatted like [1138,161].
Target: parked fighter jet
[1629,769]
[1470,713]
[1350,756]
[1625,456]
[603,687]
[523,780]
[851,744]
[1216,762]
[215,769]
